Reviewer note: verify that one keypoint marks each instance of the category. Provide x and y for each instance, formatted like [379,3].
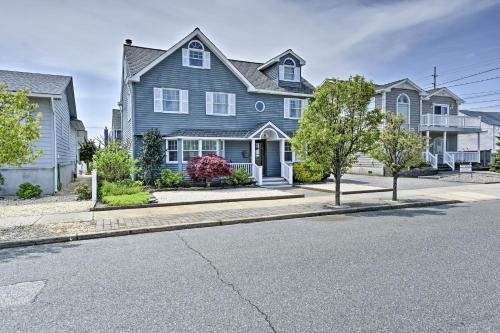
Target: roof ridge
[58,75]
[145,47]
[248,61]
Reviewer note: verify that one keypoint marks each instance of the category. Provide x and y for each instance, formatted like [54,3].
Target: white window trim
[200,146]
[289,66]
[167,161]
[263,109]
[180,101]
[186,56]
[441,105]
[229,114]
[288,151]
[409,107]
[303,105]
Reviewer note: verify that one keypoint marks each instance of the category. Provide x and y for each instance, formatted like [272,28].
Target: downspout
[55,143]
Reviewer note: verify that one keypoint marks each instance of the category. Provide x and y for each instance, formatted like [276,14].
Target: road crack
[227,283]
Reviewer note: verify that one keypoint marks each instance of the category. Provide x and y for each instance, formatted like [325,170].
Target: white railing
[449,158]
[246,166]
[257,173]
[450,121]
[287,172]
[465,156]
[431,159]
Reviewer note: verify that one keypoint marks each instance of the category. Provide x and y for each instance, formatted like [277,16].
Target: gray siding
[427,104]
[126,121]
[272,72]
[46,141]
[65,151]
[391,104]
[238,151]
[171,74]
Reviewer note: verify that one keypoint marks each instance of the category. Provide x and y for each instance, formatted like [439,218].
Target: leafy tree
[88,149]
[208,168]
[337,126]
[152,155]
[495,166]
[19,128]
[398,148]
[114,163]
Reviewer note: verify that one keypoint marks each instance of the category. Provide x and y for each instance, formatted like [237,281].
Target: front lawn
[140,198]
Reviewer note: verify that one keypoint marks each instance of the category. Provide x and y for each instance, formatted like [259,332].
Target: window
[171,151]
[260,106]
[288,152]
[222,150]
[171,100]
[294,108]
[208,147]
[221,104]
[441,109]
[189,149]
[289,70]
[371,105]
[403,107]
[195,49]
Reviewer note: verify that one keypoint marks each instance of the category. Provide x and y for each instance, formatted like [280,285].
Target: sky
[383,40]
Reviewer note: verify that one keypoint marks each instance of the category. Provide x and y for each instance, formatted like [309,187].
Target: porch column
[428,134]
[282,151]
[252,153]
[444,141]
[479,146]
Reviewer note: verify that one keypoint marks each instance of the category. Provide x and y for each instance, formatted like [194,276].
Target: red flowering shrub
[208,168]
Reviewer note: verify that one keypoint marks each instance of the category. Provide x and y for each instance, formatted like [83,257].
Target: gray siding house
[433,113]
[202,102]
[61,132]
[116,125]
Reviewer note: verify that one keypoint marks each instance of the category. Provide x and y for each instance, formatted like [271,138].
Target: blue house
[202,103]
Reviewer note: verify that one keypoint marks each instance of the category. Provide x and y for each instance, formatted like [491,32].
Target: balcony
[450,123]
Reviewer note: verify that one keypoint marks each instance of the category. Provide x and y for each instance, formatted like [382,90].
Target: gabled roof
[443,91]
[279,56]
[140,60]
[36,83]
[491,118]
[388,86]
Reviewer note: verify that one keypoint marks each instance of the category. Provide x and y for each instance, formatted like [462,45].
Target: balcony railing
[465,156]
[438,120]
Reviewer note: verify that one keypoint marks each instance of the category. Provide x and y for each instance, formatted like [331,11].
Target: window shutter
[185,57]
[184,101]
[209,102]
[206,59]
[287,108]
[281,71]
[231,99]
[158,99]
[296,74]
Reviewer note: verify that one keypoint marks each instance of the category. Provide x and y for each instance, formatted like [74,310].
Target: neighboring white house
[490,130]
[61,132]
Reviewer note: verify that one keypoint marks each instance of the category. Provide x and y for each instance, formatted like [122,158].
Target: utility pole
[434,77]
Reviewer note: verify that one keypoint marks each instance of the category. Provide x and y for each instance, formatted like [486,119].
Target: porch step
[444,167]
[275,182]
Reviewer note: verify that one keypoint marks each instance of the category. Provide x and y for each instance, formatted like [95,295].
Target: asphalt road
[417,270]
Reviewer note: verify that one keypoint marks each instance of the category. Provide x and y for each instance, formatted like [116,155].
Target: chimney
[128,41]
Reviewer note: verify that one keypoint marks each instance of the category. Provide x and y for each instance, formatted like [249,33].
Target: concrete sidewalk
[78,223]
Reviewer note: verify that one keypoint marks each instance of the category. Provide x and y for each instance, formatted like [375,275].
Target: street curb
[344,192]
[142,230]
[199,202]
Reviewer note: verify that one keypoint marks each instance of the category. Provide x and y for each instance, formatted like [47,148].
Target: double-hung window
[294,108]
[403,108]
[441,109]
[171,151]
[288,152]
[220,104]
[195,55]
[208,147]
[190,149]
[169,100]
[289,71]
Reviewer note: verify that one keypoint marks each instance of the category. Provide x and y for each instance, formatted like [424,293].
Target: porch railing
[449,159]
[257,173]
[431,159]
[287,172]
[466,156]
[450,121]
[246,166]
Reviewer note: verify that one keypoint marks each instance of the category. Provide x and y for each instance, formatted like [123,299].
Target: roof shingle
[35,82]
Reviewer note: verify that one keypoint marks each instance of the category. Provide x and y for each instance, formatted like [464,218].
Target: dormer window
[289,71]
[195,55]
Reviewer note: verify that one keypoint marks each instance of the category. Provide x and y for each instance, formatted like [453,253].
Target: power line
[491,100]
[481,92]
[472,82]
[454,70]
[481,96]
[471,75]
[487,107]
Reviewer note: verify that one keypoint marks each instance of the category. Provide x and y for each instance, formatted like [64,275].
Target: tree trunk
[395,187]
[337,188]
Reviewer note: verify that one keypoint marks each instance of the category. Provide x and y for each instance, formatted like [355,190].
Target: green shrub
[152,155]
[84,191]
[114,163]
[158,183]
[308,172]
[28,191]
[239,176]
[171,179]
[2,180]
[140,198]
[123,187]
